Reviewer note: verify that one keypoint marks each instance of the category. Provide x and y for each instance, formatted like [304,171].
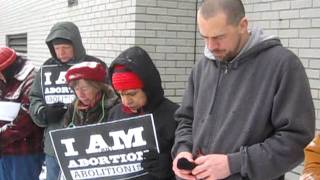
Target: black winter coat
[138,61]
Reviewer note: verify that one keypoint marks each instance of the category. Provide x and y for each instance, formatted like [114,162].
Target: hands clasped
[209,167]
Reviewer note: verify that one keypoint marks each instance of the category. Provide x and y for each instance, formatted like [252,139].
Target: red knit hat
[7,57]
[123,79]
[86,70]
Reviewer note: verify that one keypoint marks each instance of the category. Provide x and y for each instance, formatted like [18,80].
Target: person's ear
[243,25]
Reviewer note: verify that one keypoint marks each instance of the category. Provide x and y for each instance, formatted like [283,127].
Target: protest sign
[112,150]
[53,82]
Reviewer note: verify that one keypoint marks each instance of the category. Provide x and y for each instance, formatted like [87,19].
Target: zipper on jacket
[226,67]
[222,71]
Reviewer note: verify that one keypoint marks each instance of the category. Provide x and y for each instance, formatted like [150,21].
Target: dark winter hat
[123,79]
[7,57]
[58,41]
[86,70]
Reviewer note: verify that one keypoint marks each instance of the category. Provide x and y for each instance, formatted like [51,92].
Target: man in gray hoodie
[50,95]
[247,112]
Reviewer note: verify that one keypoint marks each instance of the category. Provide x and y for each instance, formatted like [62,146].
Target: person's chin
[85,102]
[65,60]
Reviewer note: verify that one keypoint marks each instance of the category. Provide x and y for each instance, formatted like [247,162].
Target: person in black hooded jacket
[137,81]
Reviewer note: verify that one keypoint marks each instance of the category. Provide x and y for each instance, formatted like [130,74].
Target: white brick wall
[164,28]
[107,27]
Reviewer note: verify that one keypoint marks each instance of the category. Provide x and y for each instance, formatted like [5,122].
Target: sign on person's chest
[53,83]
[112,150]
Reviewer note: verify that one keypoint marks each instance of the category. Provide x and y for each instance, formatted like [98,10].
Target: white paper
[9,110]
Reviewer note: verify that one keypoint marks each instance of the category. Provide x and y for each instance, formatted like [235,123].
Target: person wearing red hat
[50,94]
[21,147]
[137,81]
[94,97]
[8,56]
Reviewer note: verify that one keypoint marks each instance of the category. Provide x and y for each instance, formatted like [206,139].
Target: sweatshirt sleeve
[184,117]
[37,102]
[293,119]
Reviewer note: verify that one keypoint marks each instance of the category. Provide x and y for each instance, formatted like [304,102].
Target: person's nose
[125,100]
[212,44]
[80,93]
[60,53]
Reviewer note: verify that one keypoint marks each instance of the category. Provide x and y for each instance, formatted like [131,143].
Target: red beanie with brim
[86,70]
[123,79]
[7,57]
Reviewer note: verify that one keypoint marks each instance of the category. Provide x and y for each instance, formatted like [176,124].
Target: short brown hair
[233,9]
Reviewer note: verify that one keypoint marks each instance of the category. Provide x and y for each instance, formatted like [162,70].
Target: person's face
[222,39]
[134,99]
[64,52]
[85,92]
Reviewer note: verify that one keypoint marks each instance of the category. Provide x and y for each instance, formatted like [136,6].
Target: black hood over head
[68,31]
[138,61]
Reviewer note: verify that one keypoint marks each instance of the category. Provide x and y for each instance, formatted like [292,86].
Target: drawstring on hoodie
[226,70]
[225,67]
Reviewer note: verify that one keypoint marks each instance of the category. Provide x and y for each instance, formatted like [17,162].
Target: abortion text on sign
[111,150]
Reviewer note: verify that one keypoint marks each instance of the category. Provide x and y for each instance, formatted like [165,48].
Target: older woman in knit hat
[94,98]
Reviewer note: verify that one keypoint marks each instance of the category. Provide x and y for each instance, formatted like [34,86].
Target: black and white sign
[54,85]
[106,151]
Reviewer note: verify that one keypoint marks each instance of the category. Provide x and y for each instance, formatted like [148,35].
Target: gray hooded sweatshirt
[256,109]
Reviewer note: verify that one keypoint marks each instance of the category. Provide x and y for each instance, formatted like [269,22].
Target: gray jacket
[65,30]
[257,110]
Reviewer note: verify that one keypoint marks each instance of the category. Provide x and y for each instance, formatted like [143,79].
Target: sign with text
[54,86]
[112,150]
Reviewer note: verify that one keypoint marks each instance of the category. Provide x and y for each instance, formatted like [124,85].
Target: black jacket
[138,61]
